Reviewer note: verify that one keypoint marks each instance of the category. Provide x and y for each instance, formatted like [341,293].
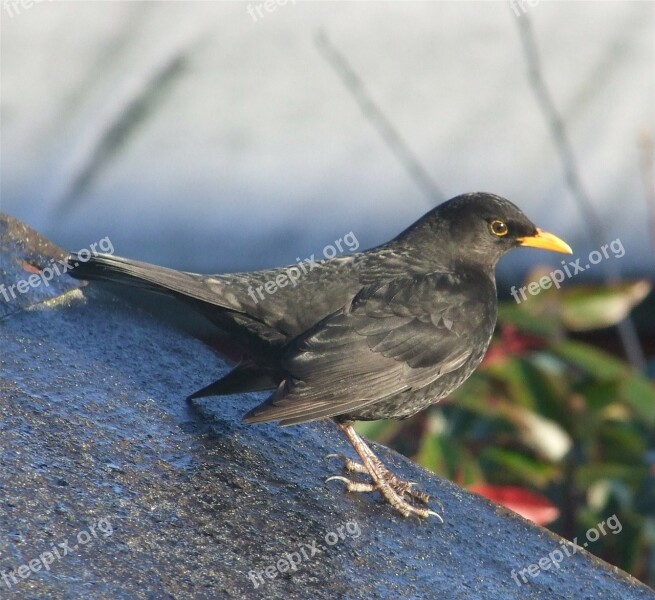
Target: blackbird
[378,334]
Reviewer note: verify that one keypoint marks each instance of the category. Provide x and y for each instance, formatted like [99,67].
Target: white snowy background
[197,137]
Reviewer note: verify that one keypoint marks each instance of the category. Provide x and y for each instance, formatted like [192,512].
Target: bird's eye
[498,228]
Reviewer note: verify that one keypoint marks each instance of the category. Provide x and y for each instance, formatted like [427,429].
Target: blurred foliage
[554,416]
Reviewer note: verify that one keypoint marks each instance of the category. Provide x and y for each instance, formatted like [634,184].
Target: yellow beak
[546,241]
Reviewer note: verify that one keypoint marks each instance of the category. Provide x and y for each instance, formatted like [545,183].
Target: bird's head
[480,228]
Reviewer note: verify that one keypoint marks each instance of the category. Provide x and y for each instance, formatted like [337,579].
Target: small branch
[626,329]
[558,131]
[647,169]
[378,119]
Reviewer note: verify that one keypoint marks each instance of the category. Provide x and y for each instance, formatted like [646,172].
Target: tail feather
[106,267]
[220,298]
[245,377]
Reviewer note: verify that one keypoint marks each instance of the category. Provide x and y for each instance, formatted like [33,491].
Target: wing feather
[392,337]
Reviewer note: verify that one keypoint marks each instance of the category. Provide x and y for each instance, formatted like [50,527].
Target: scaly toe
[424,513]
[406,487]
[349,464]
[353,486]
[406,509]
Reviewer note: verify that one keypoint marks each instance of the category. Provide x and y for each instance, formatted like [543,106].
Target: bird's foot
[400,486]
[391,487]
[393,497]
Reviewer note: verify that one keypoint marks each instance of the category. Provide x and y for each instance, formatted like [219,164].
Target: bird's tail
[107,267]
[219,298]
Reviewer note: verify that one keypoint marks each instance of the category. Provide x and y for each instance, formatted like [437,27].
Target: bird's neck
[421,255]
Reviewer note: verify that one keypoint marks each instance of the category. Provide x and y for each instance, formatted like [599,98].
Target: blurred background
[211,136]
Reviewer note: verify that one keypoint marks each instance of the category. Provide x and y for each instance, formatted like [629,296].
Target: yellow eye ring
[498,228]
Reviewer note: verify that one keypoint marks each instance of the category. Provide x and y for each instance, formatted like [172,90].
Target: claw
[431,512]
[336,455]
[337,478]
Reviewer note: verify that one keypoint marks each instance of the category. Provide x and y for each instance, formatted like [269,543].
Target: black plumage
[378,334]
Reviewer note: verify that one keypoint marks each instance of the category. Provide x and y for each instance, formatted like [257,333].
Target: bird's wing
[392,337]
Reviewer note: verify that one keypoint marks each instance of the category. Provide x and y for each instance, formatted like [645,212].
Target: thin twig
[626,328]
[647,169]
[379,120]
[558,131]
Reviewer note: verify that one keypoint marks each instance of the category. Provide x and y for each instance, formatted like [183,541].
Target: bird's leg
[391,488]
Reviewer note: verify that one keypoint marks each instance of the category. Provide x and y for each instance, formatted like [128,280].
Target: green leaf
[640,395]
[621,443]
[636,390]
[518,467]
[585,307]
[382,431]
[594,362]
[444,455]
[526,318]
[588,474]
[598,394]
